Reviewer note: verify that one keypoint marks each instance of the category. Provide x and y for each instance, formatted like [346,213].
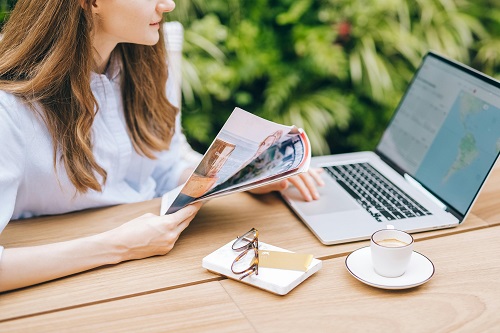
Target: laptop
[428,168]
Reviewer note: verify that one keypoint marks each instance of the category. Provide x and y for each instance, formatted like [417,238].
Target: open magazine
[248,152]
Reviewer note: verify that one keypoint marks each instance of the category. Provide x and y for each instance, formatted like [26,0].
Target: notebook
[277,281]
[428,168]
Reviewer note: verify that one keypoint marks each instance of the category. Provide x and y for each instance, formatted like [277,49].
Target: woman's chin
[150,40]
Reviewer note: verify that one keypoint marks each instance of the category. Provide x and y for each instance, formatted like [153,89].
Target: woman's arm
[145,236]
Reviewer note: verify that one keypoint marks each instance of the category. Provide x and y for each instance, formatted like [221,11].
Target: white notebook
[277,281]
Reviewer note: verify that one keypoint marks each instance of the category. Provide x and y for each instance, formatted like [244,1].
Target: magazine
[248,152]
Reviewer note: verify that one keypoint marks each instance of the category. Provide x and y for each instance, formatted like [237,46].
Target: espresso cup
[391,251]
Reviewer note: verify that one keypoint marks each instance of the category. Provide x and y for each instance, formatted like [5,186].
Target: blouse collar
[113,70]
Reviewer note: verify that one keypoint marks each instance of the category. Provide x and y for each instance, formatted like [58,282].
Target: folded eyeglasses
[247,262]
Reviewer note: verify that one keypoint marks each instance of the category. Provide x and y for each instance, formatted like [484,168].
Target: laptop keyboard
[378,196]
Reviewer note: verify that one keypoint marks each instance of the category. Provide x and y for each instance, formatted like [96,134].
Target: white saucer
[419,271]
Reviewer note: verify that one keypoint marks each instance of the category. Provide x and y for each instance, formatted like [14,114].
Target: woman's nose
[165,6]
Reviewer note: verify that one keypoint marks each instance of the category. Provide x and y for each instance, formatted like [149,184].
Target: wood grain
[202,308]
[462,296]
[219,221]
[487,206]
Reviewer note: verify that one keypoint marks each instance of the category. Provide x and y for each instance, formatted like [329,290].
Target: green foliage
[5,7]
[337,68]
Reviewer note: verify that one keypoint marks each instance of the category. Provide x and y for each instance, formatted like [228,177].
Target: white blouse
[29,185]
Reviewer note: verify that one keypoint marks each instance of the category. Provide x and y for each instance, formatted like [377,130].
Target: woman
[85,122]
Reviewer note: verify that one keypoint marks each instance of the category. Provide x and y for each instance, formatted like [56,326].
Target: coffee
[391,251]
[391,242]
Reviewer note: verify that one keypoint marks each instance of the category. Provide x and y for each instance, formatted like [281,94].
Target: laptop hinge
[422,189]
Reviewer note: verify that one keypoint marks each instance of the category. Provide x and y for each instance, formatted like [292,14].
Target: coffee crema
[391,242]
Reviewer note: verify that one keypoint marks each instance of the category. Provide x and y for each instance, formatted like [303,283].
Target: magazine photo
[248,152]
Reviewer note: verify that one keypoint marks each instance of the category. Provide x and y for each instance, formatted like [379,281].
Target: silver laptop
[428,167]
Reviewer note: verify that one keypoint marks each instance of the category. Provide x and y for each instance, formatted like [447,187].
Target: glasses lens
[243,241]
[244,261]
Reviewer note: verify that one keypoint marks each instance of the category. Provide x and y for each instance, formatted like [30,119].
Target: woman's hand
[305,182]
[150,235]
[142,237]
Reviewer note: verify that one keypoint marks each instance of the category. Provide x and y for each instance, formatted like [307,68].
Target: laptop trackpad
[333,198]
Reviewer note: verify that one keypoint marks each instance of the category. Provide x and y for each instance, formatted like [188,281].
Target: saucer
[419,271]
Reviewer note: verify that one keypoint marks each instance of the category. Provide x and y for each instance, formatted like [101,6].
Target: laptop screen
[446,130]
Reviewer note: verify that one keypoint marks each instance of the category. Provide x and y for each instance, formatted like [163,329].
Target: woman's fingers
[305,186]
[193,210]
[315,173]
[186,213]
[151,234]
[305,183]
[277,186]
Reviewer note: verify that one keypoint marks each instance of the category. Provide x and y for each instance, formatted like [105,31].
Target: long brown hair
[46,58]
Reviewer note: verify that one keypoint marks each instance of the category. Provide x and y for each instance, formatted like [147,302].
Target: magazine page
[280,160]
[243,139]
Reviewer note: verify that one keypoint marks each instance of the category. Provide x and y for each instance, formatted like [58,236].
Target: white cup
[391,251]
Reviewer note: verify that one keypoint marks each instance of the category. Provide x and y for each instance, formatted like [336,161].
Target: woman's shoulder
[12,106]
[14,112]
[8,97]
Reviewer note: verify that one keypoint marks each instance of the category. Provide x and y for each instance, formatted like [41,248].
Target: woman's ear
[93,4]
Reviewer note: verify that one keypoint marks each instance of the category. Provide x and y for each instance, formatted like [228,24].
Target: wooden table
[174,293]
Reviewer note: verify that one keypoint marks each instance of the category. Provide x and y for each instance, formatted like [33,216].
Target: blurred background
[336,68]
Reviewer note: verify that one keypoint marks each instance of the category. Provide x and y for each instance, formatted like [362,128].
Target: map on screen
[463,150]
[446,132]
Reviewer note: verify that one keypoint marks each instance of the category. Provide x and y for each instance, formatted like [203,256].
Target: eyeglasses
[247,262]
